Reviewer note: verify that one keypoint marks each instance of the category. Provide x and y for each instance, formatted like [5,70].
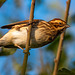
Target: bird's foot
[22,49]
[26,52]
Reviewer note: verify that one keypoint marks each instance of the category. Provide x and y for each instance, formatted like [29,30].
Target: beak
[67,26]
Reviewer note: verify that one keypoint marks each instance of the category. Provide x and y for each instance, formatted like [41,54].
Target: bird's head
[59,24]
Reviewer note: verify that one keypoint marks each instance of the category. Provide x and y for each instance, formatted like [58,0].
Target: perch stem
[23,72]
[57,59]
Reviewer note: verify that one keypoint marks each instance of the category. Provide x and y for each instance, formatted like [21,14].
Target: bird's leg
[22,49]
[18,46]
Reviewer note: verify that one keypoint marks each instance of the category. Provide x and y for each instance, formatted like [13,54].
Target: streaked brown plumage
[42,33]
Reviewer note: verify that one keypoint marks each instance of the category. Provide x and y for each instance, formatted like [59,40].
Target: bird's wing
[26,22]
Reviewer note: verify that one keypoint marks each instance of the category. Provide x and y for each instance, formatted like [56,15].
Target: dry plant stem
[61,40]
[41,60]
[23,72]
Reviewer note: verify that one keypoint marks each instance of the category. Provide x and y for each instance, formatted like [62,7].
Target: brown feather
[26,22]
[58,19]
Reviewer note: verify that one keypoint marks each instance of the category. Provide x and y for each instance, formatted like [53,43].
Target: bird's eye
[60,23]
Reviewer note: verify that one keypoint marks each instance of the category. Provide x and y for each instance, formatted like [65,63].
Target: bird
[42,33]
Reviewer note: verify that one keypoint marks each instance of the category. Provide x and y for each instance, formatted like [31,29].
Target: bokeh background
[41,60]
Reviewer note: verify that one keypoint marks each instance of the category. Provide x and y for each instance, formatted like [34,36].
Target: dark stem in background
[23,72]
[57,59]
[2,2]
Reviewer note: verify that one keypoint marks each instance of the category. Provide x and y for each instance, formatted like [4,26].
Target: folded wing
[26,22]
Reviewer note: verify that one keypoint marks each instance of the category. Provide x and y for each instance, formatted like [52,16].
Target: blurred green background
[41,60]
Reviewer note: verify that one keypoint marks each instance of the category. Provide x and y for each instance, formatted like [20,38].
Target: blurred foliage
[18,3]
[18,65]
[73,18]
[2,2]
[43,73]
[63,59]
[6,51]
[45,70]
[38,2]
[65,71]
[55,5]
[54,45]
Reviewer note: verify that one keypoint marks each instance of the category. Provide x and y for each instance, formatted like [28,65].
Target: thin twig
[23,72]
[61,40]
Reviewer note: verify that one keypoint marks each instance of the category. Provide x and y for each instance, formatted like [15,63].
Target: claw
[26,52]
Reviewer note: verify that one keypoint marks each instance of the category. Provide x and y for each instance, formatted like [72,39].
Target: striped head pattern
[59,24]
